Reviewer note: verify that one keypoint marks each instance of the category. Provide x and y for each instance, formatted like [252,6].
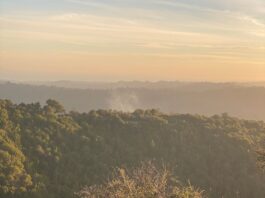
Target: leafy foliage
[261,158]
[47,152]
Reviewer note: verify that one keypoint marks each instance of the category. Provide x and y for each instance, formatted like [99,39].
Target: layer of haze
[106,40]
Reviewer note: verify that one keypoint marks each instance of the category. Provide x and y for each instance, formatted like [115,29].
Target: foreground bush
[145,181]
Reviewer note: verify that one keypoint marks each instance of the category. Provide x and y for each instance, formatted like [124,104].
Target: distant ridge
[238,100]
[135,84]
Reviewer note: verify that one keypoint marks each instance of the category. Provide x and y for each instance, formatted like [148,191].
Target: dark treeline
[195,98]
[48,152]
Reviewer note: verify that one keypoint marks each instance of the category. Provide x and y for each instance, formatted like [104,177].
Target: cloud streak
[224,30]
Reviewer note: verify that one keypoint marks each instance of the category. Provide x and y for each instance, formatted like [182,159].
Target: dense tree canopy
[47,152]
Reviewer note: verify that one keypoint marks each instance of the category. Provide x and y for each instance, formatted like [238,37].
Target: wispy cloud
[252,20]
[225,30]
[96,30]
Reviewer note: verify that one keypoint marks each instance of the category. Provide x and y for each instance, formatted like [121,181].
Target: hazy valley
[170,97]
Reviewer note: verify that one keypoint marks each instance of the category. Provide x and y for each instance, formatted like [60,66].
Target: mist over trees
[49,152]
[240,100]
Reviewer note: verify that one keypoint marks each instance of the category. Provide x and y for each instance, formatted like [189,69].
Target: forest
[46,151]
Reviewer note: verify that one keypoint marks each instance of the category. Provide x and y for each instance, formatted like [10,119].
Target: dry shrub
[146,181]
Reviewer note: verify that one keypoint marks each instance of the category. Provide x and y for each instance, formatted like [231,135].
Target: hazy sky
[212,40]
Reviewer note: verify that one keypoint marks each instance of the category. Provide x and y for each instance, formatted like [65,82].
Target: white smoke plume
[126,102]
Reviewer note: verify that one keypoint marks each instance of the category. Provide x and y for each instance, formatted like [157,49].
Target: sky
[111,40]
